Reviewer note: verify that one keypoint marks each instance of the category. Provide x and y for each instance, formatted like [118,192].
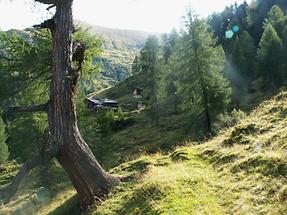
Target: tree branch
[46,1]
[31,108]
[42,157]
[50,24]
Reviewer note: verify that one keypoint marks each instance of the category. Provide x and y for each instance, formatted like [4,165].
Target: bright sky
[148,15]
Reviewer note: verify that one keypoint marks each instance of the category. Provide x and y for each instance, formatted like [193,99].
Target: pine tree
[201,80]
[169,42]
[136,67]
[249,51]
[149,65]
[170,86]
[4,153]
[277,19]
[269,57]
[238,57]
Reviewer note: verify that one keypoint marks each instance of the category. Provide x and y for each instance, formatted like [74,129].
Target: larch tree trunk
[88,177]
[62,139]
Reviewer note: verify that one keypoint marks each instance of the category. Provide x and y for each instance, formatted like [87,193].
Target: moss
[163,161]
[181,154]
[9,170]
[142,201]
[262,164]
[137,166]
[209,154]
[226,158]
[239,134]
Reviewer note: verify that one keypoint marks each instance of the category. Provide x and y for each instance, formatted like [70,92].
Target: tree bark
[204,93]
[206,109]
[86,174]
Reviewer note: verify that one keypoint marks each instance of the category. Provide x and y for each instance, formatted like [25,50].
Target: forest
[199,128]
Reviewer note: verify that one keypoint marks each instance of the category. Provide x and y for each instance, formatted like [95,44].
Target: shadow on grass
[71,207]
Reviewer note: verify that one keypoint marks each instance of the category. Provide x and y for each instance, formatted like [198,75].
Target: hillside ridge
[242,170]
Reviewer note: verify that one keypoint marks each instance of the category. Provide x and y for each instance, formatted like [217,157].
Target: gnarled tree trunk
[86,174]
[63,138]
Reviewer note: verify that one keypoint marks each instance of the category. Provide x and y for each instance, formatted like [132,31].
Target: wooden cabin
[94,104]
[137,92]
[110,104]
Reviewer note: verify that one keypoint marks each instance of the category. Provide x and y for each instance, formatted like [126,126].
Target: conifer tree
[269,57]
[149,65]
[277,19]
[249,51]
[238,57]
[136,67]
[201,79]
[4,153]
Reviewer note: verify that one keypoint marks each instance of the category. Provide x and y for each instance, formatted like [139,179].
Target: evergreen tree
[169,43]
[136,67]
[201,80]
[149,64]
[239,69]
[4,153]
[257,13]
[269,57]
[167,49]
[249,51]
[238,57]
[170,87]
[277,19]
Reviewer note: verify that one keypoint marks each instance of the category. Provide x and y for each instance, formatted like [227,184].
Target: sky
[146,15]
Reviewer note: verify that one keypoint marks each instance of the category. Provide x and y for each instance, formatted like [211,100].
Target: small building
[110,104]
[137,92]
[94,104]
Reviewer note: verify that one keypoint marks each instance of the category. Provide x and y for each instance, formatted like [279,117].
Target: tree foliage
[25,84]
[4,153]
[269,57]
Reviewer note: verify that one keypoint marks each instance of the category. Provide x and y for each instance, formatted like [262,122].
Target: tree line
[208,72]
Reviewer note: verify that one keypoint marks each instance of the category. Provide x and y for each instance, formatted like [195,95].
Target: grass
[169,188]
[9,170]
[38,195]
[240,171]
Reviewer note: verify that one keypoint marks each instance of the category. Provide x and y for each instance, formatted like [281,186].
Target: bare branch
[31,108]
[50,24]
[50,7]
[46,1]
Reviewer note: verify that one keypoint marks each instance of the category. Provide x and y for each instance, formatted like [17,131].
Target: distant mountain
[117,38]
[120,48]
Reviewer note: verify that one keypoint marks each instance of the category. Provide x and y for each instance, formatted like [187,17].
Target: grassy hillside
[240,171]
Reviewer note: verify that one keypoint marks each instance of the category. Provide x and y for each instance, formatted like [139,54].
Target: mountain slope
[119,50]
[241,171]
